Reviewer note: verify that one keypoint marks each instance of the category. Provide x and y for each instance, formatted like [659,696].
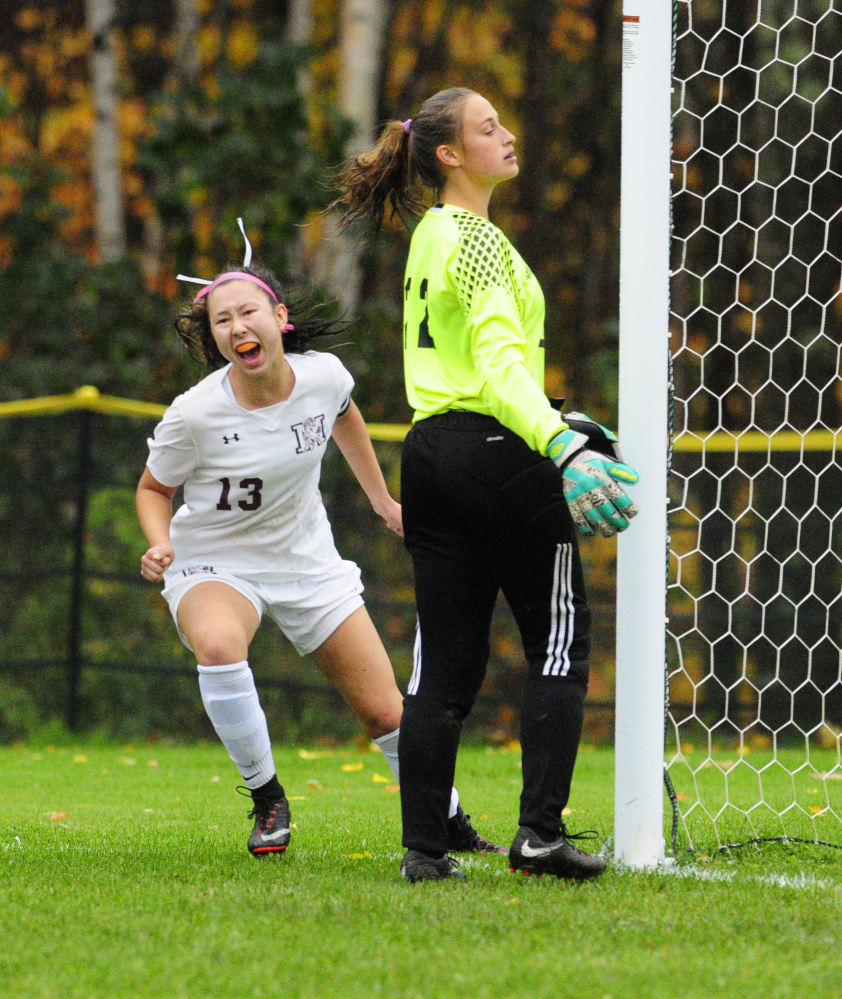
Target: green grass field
[124,873]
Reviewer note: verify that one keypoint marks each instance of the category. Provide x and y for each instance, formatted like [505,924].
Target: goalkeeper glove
[590,461]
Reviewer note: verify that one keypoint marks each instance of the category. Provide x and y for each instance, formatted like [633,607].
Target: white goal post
[729,635]
[644,323]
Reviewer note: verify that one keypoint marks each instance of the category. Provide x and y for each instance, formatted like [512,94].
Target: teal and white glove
[596,501]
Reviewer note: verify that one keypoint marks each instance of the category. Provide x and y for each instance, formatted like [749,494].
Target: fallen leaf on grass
[391,788]
[816,809]
[214,780]
[682,796]
[307,754]
[379,779]
[79,758]
[314,785]
[296,797]
[512,901]
[152,763]
[361,856]
[351,767]
[128,761]
[59,816]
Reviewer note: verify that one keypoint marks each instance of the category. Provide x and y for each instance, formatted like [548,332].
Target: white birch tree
[186,49]
[105,145]
[364,26]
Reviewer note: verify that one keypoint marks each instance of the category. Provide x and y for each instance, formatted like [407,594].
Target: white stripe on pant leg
[570,613]
[553,614]
[561,614]
[415,679]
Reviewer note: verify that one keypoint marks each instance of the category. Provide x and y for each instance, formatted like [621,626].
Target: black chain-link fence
[85,641]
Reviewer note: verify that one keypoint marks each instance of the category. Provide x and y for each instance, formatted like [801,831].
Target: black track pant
[483,512]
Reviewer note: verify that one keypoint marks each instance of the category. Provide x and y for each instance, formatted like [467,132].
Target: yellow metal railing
[88,397]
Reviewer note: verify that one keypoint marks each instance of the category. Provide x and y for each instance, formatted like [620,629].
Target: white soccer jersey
[251,477]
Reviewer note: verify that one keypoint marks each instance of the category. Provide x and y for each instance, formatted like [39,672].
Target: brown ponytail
[405,154]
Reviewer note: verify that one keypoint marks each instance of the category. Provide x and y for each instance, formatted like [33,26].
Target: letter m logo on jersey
[310,433]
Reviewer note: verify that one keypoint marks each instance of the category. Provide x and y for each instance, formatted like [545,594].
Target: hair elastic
[407,125]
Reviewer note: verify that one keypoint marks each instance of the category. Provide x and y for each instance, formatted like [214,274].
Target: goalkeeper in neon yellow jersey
[494,482]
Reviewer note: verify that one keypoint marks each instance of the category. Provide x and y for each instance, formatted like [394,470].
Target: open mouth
[248,350]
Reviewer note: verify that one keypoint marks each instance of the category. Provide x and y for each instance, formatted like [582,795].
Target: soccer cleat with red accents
[529,854]
[271,826]
[463,838]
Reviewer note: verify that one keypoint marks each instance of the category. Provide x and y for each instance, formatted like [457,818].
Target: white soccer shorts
[307,610]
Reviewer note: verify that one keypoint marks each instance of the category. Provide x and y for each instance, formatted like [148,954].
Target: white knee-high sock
[389,747]
[232,704]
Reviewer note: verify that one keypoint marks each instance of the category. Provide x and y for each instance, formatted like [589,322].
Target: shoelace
[584,834]
[262,808]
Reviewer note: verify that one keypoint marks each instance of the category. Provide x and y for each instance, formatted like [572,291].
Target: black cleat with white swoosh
[271,826]
[529,854]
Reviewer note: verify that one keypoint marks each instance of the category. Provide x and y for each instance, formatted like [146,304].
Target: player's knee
[219,646]
[381,719]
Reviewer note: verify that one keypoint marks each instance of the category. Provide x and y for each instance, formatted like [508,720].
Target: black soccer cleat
[529,854]
[417,866]
[463,838]
[271,826]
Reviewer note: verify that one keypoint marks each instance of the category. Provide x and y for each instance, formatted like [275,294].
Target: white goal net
[754,593]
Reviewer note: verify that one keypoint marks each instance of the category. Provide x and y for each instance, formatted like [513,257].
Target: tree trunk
[364,27]
[535,19]
[186,49]
[105,146]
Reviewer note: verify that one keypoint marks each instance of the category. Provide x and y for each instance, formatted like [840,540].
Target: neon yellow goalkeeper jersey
[474,326]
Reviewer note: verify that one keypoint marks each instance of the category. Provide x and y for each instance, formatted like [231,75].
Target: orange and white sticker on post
[631,35]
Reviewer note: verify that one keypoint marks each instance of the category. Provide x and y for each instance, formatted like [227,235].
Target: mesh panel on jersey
[484,260]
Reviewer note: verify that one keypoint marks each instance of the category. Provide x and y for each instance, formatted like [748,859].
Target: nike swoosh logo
[536,851]
[274,835]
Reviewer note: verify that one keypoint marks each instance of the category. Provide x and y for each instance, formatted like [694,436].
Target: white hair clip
[246,259]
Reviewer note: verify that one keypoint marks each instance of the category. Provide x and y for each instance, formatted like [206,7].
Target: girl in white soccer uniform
[252,535]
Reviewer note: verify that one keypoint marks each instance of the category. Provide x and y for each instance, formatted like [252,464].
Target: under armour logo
[234,437]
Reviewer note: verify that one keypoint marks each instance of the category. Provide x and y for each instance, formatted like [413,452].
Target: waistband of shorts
[459,419]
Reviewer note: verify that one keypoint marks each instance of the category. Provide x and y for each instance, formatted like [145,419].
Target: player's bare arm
[154,511]
[352,438]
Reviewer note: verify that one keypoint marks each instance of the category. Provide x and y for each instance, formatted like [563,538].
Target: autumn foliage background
[244,108]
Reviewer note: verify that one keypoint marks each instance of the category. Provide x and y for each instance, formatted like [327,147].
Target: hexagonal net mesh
[755,568]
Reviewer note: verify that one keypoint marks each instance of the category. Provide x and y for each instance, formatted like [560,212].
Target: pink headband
[241,276]
[235,276]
